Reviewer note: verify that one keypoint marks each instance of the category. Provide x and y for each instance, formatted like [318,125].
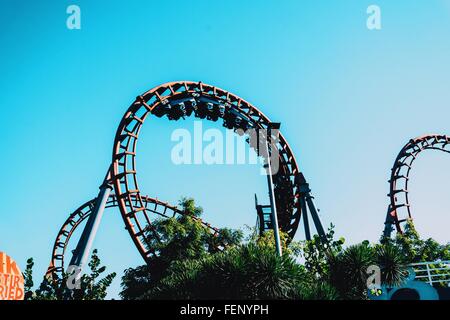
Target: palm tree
[348,271]
[248,271]
[392,263]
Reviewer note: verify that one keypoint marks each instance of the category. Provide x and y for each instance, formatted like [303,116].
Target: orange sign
[11,279]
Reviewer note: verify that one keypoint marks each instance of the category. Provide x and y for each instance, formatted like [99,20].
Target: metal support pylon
[388,224]
[307,204]
[83,249]
[271,189]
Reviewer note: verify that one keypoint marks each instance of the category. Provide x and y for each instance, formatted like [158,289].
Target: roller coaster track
[181,99]
[399,209]
[178,100]
[154,206]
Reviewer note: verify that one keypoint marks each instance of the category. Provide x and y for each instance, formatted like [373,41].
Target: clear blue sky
[348,100]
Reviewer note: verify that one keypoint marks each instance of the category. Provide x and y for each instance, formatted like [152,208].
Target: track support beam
[84,246]
[273,207]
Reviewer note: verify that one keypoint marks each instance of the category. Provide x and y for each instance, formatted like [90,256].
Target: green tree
[92,285]
[249,271]
[348,271]
[317,252]
[416,249]
[393,264]
[245,272]
[175,239]
[345,269]
[28,279]
[188,265]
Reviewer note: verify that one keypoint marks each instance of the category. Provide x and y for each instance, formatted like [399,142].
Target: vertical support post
[276,231]
[84,246]
[388,224]
[315,217]
[430,279]
[305,218]
[307,202]
[259,216]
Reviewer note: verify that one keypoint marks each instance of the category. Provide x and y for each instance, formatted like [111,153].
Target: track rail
[399,209]
[154,206]
[177,100]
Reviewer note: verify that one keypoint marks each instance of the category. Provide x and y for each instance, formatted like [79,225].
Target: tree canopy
[92,285]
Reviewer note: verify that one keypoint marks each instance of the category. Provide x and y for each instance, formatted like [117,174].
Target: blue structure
[414,288]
